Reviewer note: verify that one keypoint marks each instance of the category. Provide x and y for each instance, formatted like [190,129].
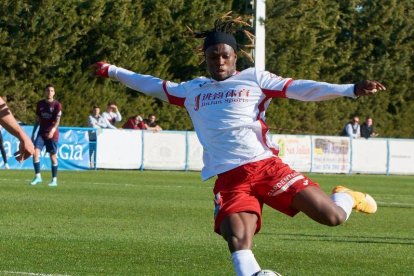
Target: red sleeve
[277,93]
[172,99]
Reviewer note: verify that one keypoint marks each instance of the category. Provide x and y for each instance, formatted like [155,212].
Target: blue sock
[36,166]
[54,170]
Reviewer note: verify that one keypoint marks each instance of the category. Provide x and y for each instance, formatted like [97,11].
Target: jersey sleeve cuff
[112,71]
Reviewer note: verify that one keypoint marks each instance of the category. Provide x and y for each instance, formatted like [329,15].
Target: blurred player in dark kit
[48,113]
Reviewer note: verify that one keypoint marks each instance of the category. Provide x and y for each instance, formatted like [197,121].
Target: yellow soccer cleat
[362,202]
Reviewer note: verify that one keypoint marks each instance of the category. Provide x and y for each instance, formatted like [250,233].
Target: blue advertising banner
[73,150]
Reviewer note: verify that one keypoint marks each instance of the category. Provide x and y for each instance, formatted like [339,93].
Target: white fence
[179,150]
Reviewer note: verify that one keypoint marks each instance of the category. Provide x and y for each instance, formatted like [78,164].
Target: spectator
[352,128]
[151,124]
[3,151]
[7,120]
[367,129]
[48,113]
[112,113]
[97,121]
[134,122]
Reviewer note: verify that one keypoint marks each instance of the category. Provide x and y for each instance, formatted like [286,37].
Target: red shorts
[248,187]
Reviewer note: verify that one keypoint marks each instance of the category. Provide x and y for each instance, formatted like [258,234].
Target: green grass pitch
[160,223]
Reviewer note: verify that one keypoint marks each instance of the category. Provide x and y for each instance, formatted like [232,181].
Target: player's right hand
[367,88]
[100,69]
[26,149]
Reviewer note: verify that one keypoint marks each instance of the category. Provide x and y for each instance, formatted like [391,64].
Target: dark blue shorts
[51,146]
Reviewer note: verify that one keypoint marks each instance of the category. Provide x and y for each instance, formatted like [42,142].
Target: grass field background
[160,223]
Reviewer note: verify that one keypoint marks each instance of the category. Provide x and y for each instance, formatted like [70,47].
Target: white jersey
[112,117]
[229,116]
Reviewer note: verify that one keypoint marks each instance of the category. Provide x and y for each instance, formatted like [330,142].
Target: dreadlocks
[224,30]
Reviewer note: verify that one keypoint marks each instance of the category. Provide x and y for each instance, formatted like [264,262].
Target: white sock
[38,175]
[244,263]
[345,201]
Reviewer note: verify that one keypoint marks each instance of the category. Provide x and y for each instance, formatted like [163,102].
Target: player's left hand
[367,88]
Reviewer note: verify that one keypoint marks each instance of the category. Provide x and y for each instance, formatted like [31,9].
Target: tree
[55,42]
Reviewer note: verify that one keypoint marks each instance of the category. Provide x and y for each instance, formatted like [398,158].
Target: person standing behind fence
[151,123]
[367,128]
[48,113]
[97,121]
[112,113]
[352,128]
[134,122]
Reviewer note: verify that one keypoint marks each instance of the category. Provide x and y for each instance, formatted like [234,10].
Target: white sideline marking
[396,204]
[31,273]
[109,183]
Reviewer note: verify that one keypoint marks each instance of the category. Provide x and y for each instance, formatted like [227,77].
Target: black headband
[219,37]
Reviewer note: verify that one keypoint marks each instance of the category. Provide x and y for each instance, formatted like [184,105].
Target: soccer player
[7,120]
[228,112]
[48,113]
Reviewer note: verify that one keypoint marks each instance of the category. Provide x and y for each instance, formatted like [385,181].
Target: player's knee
[236,242]
[335,218]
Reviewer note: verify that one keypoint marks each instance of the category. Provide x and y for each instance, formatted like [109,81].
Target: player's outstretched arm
[153,86]
[367,88]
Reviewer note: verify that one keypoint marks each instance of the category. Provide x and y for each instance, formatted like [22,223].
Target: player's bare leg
[335,209]
[318,206]
[238,230]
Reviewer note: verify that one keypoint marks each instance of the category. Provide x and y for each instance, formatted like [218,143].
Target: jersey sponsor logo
[285,183]
[227,96]
[46,115]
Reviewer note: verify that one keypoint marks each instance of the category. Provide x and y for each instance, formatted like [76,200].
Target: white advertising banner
[180,150]
[164,150]
[295,151]
[119,149]
[195,153]
[330,154]
[401,156]
[369,156]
